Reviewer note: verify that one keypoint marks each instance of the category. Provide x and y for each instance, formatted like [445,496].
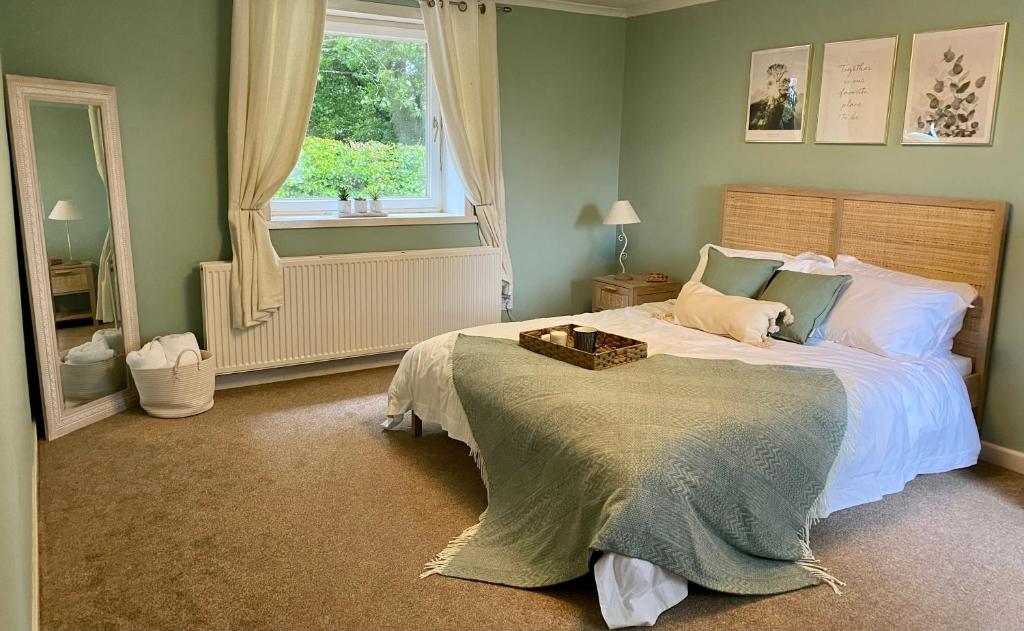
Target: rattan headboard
[936,237]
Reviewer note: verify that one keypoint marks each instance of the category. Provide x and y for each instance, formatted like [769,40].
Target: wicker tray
[612,350]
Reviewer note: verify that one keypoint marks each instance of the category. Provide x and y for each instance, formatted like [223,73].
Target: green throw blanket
[707,468]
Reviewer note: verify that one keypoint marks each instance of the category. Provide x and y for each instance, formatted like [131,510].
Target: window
[375,128]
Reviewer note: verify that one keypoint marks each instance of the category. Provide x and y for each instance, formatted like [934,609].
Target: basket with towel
[175,378]
[94,369]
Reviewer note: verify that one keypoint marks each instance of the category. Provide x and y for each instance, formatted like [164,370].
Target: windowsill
[394,219]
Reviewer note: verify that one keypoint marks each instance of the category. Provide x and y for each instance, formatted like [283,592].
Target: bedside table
[611,293]
[70,279]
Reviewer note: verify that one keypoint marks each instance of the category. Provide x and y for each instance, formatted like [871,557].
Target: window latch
[437,128]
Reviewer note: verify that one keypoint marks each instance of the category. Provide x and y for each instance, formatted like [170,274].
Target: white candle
[559,337]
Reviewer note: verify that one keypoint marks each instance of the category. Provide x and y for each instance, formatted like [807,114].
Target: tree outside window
[367,131]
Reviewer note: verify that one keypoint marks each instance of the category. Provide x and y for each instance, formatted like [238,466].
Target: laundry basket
[177,391]
[82,383]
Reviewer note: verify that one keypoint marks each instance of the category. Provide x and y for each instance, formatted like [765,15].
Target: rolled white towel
[148,357]
[113,337]
[90,353]
[174,345]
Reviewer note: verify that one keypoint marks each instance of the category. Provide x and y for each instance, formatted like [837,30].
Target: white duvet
[905,418]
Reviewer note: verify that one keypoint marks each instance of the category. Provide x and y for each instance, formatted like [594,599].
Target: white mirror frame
[21,92]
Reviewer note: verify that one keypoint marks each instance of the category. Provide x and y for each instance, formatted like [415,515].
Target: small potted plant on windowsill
[361,206]
[376,206]
[344,205]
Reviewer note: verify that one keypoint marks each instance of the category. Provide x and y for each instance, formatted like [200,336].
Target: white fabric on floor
[634,592]
[908,417]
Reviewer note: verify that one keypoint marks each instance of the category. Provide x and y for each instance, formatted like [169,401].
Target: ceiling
[615,8]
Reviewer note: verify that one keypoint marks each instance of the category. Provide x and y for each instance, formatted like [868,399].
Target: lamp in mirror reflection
[66,211]
[622,213]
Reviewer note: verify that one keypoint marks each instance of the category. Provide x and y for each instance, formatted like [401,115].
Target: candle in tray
[559,337]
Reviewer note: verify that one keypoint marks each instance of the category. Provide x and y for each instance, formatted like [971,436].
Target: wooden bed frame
[935,237]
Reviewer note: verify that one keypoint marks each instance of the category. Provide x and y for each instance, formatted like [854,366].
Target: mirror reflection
[72,174]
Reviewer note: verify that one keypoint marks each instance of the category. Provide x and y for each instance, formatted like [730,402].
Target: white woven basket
[82,383]
[178,391]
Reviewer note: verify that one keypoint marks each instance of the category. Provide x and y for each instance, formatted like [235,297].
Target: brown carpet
[286,507]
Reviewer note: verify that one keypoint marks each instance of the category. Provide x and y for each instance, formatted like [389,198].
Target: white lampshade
[65,210]
[621,213]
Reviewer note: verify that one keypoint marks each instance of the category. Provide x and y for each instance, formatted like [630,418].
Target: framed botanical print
[856,88]
[777,97]
[954,86]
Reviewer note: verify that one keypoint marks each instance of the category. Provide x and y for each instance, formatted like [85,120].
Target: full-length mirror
[77,249]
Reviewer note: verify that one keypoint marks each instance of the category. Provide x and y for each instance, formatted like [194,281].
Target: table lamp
[621,214]
[66,211]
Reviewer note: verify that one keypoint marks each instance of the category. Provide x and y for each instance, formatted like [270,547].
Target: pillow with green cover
[736,276]
[810,297]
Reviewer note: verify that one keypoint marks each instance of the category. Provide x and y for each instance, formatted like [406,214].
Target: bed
[911,417]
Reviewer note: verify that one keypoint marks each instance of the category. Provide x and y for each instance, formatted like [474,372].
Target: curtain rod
[463,5]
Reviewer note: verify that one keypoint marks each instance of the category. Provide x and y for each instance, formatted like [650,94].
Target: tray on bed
[612,350]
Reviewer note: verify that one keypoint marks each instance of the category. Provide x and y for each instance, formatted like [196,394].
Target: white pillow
[743,319]
[847,264]
[893,319]
[800,263]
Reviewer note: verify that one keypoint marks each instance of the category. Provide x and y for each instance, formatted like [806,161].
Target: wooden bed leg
[417,425]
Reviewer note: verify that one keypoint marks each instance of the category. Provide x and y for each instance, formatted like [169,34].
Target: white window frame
[355,19]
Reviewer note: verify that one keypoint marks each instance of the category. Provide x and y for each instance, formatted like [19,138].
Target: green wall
[561,96]
[169,65]
[17,433]
[686,78]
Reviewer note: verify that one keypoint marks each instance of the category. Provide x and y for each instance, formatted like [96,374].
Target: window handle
[437,128]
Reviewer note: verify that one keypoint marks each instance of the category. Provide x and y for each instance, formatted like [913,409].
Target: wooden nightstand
[610,293]
[76,278]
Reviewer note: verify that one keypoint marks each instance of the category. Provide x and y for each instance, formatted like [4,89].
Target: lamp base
[623,277]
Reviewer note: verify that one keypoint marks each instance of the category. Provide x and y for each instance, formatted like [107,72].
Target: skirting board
[302,371]
[1003,456]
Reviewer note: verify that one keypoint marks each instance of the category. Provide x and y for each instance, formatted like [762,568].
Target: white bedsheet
[964,364]
[905,418]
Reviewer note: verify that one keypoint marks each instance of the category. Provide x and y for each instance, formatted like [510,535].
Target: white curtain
[107,309]
[463,50]
[106,279]
[275,57]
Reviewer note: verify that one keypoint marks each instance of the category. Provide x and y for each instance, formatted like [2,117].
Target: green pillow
[735,276]
[809,296]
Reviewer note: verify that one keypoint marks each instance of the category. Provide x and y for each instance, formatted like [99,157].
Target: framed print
[777,94]
[856,88]
[954,86]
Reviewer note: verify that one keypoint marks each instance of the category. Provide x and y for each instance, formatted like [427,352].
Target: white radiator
[352,305]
